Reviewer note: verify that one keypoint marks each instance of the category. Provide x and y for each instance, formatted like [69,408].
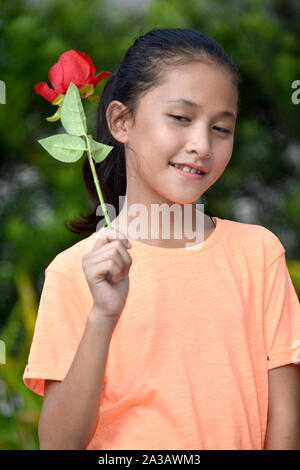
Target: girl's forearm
[70,418]
[283,434]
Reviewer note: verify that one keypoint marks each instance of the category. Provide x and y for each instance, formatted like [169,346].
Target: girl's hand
[103,266]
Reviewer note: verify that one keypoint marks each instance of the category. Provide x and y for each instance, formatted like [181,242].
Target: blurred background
[38,194]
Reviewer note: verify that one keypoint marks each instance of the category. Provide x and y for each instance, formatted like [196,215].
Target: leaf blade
[72,114]
[64,147]
[99,151]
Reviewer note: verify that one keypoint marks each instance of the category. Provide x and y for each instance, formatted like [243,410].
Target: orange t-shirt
[189,357]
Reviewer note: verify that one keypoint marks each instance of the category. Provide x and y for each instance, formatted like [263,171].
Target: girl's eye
[220,129]
[180,117]
[224,131]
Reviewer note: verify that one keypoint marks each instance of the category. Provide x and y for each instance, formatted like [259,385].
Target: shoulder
[69,261]
[255,240]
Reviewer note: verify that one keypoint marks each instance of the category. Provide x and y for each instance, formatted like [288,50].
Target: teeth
[188,169]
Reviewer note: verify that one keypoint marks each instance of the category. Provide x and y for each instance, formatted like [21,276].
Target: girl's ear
[118,121]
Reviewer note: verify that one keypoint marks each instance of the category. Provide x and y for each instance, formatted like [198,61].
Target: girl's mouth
[188,172]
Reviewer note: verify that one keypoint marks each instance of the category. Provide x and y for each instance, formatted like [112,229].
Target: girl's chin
[183,201]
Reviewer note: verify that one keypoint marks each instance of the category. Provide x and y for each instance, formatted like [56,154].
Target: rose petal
[99,77]
[56,76]
[90,62]
[73,66]
[45,91]
[77,68]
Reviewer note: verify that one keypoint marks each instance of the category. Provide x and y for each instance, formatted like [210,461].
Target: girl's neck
[126,226]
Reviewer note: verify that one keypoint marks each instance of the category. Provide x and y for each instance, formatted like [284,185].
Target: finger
[106,268]
[114,272]
[122,255]
[122,252]
[107,234]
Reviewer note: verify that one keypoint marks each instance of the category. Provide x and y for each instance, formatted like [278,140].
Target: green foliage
[294,270]
[70,147]
[64,147]
[18,425]
[99,151]
[72,114]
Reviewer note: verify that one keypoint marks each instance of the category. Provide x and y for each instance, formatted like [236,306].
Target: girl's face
[202,134]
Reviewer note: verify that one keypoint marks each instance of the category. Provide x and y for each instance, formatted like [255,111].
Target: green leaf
[72,114]
[58,100]
[55,116]
[99,151]
[64,147]
[86,90]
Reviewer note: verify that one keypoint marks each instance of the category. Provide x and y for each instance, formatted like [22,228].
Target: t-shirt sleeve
[281,312]
[59,326]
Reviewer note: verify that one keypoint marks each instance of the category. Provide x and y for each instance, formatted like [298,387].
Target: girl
[165,345]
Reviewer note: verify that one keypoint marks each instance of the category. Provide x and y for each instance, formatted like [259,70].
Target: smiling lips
[189,165]
[188,171]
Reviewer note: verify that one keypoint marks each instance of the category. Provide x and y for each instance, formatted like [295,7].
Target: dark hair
[141,68]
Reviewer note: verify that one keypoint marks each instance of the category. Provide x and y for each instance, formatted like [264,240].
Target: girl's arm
[70,416]
[283,428]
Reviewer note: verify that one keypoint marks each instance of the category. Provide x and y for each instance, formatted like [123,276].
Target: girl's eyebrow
[225,113]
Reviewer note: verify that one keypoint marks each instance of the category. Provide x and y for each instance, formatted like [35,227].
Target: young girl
[174,343]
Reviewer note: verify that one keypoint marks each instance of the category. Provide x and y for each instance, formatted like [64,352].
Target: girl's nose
[201,148]
[200,143]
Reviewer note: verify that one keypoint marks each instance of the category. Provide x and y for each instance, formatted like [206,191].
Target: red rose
[72,66]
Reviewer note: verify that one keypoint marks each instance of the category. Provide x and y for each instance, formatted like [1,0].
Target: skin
[283,427]
[155,138]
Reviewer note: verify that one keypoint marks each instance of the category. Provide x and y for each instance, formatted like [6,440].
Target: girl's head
[137,115]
